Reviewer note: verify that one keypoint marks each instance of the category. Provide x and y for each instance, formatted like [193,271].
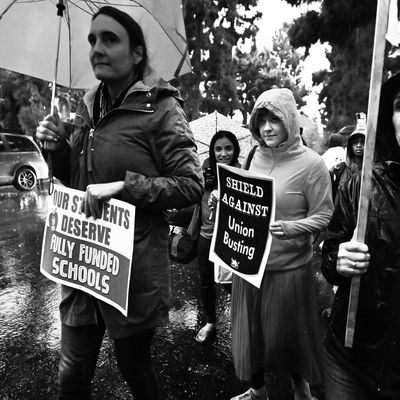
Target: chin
[100,74]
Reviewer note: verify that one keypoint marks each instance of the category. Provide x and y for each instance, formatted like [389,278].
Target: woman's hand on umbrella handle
[353,258]
[51,129]
[95,195]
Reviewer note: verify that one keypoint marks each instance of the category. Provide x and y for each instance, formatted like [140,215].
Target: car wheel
[25,179]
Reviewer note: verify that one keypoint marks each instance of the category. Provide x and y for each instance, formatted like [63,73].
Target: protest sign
[93,255]
[241,239]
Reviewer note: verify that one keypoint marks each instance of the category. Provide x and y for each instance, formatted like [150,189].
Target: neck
[358,160]
[116,87]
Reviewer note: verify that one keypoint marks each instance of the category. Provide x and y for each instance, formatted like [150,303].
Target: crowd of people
[131,140]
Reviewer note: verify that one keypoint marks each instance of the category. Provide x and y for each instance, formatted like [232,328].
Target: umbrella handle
[49,146]
[60,12]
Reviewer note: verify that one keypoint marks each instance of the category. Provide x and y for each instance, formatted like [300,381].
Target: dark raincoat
[375,357]
[342,172]
[147,143]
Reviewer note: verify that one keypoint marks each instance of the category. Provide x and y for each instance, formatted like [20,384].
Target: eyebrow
[101,33]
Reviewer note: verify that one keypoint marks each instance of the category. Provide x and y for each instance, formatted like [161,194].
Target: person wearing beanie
[336,152]
[130,141]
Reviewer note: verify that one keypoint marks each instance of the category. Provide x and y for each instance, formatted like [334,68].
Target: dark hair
[232,138]
[336,139]
[210,165]
[135,33]
[257,117]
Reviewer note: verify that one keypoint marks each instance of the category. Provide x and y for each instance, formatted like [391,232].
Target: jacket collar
[151,82]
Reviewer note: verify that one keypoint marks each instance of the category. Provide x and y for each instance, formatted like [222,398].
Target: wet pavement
[30,328]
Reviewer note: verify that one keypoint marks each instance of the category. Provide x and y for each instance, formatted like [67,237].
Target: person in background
[336,152]
[343,171]
[275,328]
[370,370]
[131,141]
[224,148]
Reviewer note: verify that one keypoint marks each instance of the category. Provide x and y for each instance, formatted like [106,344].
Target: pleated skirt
[276,327]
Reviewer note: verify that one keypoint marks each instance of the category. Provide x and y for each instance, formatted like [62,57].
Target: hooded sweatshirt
[302,183]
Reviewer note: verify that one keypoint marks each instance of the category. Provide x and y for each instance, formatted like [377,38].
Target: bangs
[259,115]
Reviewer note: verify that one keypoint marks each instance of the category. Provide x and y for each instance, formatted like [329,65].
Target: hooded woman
[131,141]
[275,328]
[343,171]
[371,368]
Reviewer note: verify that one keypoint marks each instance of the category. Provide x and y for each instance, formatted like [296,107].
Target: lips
[100,63]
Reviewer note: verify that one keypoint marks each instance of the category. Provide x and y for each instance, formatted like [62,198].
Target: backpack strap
[250,156]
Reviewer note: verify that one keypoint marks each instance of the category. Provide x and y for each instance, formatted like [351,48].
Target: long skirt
[276,327]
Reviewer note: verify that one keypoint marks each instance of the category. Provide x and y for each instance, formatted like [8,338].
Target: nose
[266,127]
[96,47]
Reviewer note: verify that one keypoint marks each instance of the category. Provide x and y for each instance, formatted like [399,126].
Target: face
[272,130]
[113,61]
[357,145]
[224,150]
[396,117]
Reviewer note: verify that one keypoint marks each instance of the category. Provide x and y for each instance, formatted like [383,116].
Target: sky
[275,13]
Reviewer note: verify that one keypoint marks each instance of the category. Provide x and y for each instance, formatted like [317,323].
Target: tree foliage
[213,29]
[25,100]
[348,26]
[259,71]
[22,101]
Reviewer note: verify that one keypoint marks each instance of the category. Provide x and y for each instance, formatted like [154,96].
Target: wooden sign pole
[378,56]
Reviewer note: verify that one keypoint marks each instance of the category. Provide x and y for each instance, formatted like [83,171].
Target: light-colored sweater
[302,185]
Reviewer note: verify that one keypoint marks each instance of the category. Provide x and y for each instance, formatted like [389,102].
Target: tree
[24,101]
[348,26]
[259,71]
[213,29]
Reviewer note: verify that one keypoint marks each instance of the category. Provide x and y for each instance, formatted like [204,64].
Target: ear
[137,54]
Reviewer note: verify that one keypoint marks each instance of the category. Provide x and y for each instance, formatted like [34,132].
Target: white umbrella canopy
[29,31]
[205,127]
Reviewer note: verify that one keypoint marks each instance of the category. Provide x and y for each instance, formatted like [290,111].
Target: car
[21,161]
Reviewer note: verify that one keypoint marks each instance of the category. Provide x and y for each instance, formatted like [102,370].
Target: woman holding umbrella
[131,141]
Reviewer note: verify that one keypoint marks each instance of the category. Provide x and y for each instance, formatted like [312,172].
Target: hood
[387,148]
[281,103]
[349,151]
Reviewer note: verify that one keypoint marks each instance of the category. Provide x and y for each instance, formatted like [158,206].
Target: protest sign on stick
[92,255]
[381,23]
[241,239]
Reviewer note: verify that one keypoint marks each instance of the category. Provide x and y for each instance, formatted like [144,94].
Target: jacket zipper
[90,151]
[89,164]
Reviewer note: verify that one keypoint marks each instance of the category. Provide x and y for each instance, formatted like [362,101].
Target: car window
[20,143]
[2,146]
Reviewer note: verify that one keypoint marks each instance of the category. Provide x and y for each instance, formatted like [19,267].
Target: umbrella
[205,127]
[32,35]
[305,122]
